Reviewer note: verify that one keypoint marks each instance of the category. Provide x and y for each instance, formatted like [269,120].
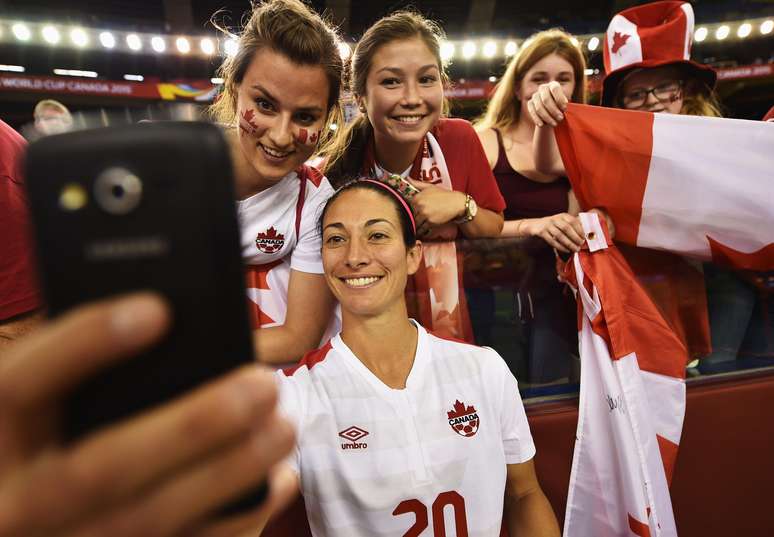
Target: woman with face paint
[280,97]
[401,432]
[398,80]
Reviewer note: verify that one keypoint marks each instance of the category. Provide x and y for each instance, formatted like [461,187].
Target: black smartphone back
[143,207]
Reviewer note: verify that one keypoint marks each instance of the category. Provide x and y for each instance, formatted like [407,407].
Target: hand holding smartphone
[144,207]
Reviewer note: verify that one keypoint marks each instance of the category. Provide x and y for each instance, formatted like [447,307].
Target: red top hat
[650,35]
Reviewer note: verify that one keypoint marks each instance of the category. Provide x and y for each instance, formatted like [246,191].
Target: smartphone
[143,207]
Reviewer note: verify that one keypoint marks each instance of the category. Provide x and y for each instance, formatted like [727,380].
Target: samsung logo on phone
[132,248]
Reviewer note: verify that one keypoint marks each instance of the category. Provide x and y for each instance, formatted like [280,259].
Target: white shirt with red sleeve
[378,461]
[279,233]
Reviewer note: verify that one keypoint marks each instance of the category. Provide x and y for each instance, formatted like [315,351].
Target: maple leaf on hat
[619,40]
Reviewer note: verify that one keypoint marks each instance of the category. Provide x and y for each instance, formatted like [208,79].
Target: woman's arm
[310,307]
[527,511]
[546,109]
[545,152]
[562,231]
[435,206]
[486,224]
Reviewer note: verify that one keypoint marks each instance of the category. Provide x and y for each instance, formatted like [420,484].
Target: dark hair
[387,192]
[345,152]
[290,28]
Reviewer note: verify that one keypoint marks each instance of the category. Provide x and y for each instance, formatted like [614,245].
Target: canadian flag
[697,186]
[632,400]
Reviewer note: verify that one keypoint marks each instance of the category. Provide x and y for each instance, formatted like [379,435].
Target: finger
[547,98]
[540,110]
[123,459]
[553,242]
[559,97]
[533,114]
[182,501]
[77,345]
[568,229]
[283,489]
[568,243]
[419,185]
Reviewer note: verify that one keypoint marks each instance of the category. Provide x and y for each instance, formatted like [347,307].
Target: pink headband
[402,201]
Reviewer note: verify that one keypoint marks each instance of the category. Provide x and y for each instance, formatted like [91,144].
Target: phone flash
[72,197]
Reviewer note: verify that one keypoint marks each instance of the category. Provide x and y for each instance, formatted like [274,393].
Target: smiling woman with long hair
[397,77]
[280,95]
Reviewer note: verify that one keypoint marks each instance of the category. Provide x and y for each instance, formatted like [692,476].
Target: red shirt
[18,284]
[467,163]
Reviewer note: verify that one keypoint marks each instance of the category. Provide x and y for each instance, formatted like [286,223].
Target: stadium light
[593,43]
[21,31]
[133,42]
[231,46]
[744,30]
[468,50]
[207,46]
[79,37]
[158,44]
[344,50]
[50,34]
[767,26]
[722,32]
[134,78]
[492,79]
[511,48]
[216,80]
[489,50]
[183,45]
[75,72]
[12,68]
[700,34]
[107,39]
[447,51]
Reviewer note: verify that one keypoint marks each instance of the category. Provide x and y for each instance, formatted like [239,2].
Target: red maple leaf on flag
[619,40]
[460,410]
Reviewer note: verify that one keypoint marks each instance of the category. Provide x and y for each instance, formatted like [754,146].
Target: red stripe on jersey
[311,174]
[309,360]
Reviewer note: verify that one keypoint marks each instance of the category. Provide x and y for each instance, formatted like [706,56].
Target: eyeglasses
[666,92]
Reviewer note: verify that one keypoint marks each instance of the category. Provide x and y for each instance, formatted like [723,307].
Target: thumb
[419,185]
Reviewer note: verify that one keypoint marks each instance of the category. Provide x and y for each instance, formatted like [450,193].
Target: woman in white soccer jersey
[280,95]
[399,430]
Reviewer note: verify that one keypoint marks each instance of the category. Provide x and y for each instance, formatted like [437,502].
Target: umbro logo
[353,434]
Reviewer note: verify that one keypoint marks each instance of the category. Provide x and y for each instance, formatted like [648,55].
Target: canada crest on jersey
[270,241]
[463,419]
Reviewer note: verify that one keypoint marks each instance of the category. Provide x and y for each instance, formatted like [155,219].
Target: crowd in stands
[385,228]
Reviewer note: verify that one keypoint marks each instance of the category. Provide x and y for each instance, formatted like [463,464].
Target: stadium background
[121,84]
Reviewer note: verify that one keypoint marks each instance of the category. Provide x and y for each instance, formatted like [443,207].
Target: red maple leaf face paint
[246,122]
[307,138]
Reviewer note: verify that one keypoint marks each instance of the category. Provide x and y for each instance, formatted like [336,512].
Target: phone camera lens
[117,191]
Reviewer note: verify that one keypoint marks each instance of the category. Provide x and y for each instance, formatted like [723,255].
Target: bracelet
[467,216]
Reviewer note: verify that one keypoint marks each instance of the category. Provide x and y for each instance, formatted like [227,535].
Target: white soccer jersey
[279,233]
[376,461]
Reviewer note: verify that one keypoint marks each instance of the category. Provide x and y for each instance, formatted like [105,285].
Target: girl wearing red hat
[647,61]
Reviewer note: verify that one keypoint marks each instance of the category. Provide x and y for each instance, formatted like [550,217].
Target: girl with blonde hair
[539,205]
